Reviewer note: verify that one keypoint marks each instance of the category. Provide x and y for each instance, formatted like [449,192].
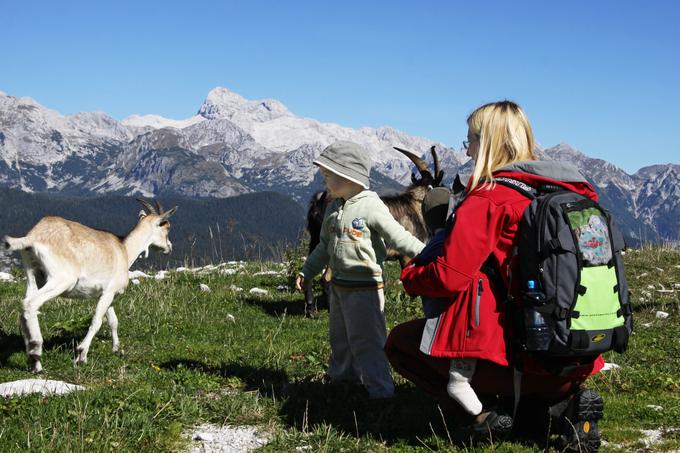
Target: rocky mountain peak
[222,103]
[654,170]
[566,150]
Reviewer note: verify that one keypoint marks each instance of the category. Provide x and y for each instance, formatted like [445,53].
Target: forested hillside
[203,230]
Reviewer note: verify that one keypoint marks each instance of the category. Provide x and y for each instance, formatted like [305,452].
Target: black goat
[404,207]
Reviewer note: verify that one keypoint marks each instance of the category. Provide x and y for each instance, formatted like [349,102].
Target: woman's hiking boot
[495,427]
[576,421]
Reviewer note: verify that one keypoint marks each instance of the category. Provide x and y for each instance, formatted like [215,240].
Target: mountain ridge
[234,145]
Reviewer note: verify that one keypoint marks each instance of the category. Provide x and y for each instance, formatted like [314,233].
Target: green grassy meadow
[232,357]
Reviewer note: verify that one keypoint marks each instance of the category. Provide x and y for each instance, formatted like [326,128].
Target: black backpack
[574,298]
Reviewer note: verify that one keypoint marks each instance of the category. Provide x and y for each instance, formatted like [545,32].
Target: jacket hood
[558,171]
[536,173]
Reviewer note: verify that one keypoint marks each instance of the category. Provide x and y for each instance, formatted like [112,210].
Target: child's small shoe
[496,426]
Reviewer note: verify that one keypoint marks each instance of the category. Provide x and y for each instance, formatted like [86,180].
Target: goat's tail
[13,244]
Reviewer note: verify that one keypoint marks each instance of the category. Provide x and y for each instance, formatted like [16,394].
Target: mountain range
[236,146]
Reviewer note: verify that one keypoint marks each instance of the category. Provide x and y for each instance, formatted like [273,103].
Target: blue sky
[599,75]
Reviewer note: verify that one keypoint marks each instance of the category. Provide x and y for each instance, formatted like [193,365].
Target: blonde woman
[470,343]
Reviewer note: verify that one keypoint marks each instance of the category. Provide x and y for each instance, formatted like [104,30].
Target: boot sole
[590,406]
[584,436]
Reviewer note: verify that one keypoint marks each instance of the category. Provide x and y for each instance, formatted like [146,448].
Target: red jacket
[475,325]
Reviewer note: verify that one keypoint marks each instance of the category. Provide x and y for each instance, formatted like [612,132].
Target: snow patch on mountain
[222,103]
[35,135]
[273,126]
[159,122]
[600,172]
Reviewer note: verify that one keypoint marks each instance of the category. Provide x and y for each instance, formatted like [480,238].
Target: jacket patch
[358,223]
[353,232]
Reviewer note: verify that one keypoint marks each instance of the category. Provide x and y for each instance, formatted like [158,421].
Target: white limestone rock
[42,386]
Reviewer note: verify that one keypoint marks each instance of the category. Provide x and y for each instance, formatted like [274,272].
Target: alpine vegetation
[65,258]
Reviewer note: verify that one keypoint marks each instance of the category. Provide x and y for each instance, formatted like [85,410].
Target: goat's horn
[420,163]
[438,172]
[148,206]
[167,214]
[435,158]
[158,205]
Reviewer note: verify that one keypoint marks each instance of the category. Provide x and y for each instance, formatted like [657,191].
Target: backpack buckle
[625,310]
[562,313]
[554,244]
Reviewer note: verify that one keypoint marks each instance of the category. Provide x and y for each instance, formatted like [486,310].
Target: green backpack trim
[599,308]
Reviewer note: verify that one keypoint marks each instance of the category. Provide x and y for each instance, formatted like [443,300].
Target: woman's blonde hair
[505,136]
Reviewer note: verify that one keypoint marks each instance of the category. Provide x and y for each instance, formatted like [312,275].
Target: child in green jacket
[352,244]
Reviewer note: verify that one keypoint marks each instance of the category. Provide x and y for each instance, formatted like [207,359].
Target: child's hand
[300,283]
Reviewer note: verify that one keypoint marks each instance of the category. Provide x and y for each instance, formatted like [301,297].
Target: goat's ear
[142,214]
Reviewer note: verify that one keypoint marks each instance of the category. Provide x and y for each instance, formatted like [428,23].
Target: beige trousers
[357,336]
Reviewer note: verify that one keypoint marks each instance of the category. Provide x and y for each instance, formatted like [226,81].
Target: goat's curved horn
[148,206]
[158,205]
[167,214]
[420,164]
[438,173]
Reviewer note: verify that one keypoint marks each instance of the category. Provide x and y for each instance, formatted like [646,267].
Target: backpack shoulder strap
[521,187]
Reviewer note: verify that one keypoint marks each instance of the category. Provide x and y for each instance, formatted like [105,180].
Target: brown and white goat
[404,207]
[65,258]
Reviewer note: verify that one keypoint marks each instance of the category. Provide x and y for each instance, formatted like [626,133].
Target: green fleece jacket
[353,238]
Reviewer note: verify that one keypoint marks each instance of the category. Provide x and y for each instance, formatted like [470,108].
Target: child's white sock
[458,388]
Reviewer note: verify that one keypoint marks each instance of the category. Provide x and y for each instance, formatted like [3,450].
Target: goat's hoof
[34,364]
[311,311]
[118,351]
[81,357]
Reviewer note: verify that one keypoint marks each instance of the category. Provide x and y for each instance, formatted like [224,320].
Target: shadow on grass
[406,418]
[409,417]
[13,343]
[278,307]
[9,344]
[289,307]
[266,381]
